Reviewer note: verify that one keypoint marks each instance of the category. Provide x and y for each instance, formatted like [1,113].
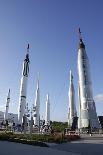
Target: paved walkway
[86,146]
[10,148]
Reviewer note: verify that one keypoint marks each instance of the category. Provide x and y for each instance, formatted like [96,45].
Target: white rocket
[7,106]
[47,114]
[87,110]
[72,108]
[23,88]
[37,107]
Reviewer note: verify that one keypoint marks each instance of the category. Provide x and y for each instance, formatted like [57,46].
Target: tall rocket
[47,114]
[37,106]
[72,108]
[23,87]
[87,112]
[7,106]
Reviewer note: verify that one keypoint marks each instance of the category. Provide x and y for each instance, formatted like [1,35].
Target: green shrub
[72,137]
[21,139]
[28,139]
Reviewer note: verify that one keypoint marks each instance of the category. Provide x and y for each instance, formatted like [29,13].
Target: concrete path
[10,148]
[87,146]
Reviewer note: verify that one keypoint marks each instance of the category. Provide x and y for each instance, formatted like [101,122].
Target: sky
[51,29]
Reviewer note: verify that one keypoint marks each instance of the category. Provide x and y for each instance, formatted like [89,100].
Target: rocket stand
[46,129]
[25,123]
[31,125]
[6,123]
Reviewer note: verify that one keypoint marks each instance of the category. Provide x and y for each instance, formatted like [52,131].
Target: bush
[58,138]
[72,137]
[33,139]
[59,126]
[38,140]
[21,139]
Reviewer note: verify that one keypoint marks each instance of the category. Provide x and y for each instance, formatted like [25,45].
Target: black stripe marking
[23,96]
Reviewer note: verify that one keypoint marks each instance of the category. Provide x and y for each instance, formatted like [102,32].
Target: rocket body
[47,114]
[87,110]
[7,106]
[79,118]
[23,88]
[37,107]
[72,107]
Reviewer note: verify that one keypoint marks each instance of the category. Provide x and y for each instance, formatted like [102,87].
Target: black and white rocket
[7,106]
[36,106]
[87,110]
[72,107]
[23,88]
[47,113]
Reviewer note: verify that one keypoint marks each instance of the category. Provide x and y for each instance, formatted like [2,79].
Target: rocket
[36,107]
[79,118]
[7,106]
[47,114]
[87,111]
[23,88]
[72,107]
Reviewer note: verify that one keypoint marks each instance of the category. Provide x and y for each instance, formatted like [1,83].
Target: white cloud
[99,98]
[2,107]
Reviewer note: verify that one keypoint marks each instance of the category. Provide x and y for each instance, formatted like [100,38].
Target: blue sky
[50,26]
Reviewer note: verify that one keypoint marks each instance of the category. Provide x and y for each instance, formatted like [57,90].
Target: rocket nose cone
[47,96]
[81,44]
[70,72]
[28,46]
[71,76]
[8,95]
[27,54]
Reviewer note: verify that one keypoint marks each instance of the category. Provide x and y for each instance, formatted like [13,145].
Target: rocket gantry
[23,88]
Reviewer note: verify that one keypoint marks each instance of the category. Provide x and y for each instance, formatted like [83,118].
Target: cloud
[2,107]
[99,98]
